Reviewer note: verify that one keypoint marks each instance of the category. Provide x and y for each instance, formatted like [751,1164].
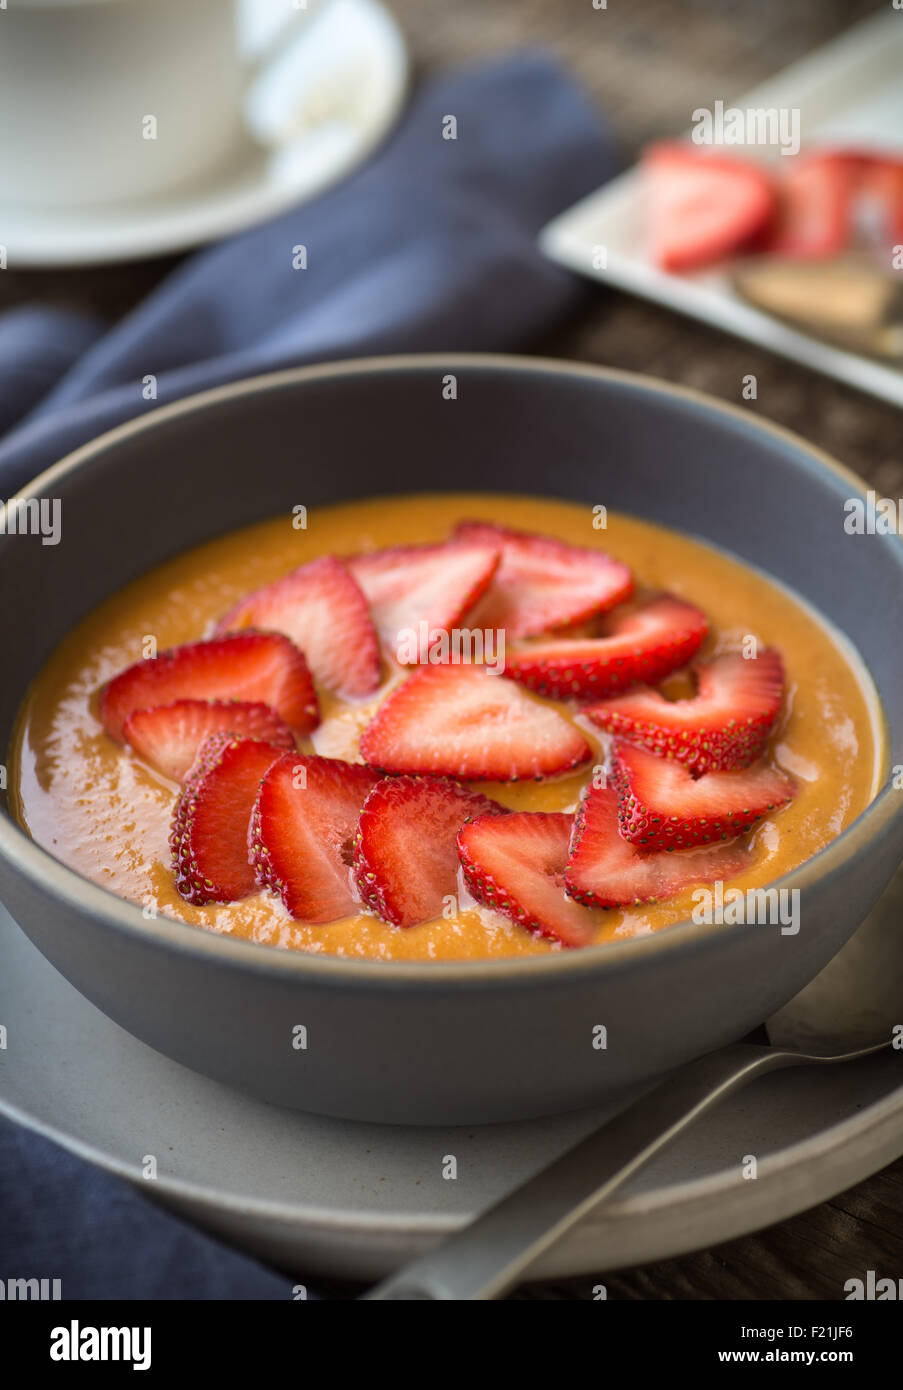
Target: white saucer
[351,63]
[351,1200]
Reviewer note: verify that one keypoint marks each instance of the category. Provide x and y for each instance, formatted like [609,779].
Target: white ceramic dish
[849,92]
[350,64]
[338,1198]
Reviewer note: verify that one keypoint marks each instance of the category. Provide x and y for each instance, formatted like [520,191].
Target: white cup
[110,100]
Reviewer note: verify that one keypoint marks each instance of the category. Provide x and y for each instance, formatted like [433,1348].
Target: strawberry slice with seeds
[405,855]
[815,206]
[302,834]
[829,196]
[702,206]
[881,197]
[543,583]
[461,721]
[209,837]
[605,870]
[662,807]
[407,585]
[169,737]
[247,666]
[644,646]
[322,609]
[515,865]
[725,726]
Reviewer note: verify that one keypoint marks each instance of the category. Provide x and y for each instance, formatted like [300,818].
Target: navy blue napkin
[431,246]
[62,1218]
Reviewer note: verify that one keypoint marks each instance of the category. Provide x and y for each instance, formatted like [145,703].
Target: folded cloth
[38,345]
[431,246]
[62,1218]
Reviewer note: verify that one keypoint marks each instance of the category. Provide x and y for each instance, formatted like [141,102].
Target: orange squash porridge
[767,745]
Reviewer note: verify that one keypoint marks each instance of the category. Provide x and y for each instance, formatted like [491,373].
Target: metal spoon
[847,1012]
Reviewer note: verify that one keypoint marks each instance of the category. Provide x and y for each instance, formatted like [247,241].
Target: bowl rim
[48,874]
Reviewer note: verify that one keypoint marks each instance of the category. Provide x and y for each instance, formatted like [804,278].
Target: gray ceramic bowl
[423,1043]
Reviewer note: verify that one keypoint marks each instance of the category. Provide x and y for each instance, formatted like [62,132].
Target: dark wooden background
[649,63]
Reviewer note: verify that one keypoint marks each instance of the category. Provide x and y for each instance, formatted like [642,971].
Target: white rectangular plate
[848,92]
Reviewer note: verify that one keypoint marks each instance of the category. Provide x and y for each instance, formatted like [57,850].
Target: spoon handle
[490,1255]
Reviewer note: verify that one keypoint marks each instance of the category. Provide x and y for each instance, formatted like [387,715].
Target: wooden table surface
[649,63]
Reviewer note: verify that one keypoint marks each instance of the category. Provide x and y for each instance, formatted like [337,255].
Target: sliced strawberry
[431,584]
[660,806]
[405,856]
[515,865]
[323,610]
[702,206]
[605,870]
[815,206]
[209,836]
[170,736]
[645,645]
[725,726]
[249,666]
[881,195]
[302,834]
[460,721]
[543,583]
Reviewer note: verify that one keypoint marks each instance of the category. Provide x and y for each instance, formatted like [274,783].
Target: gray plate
[334,1197]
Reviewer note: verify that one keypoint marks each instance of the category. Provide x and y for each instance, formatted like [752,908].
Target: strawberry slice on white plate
[703,206]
